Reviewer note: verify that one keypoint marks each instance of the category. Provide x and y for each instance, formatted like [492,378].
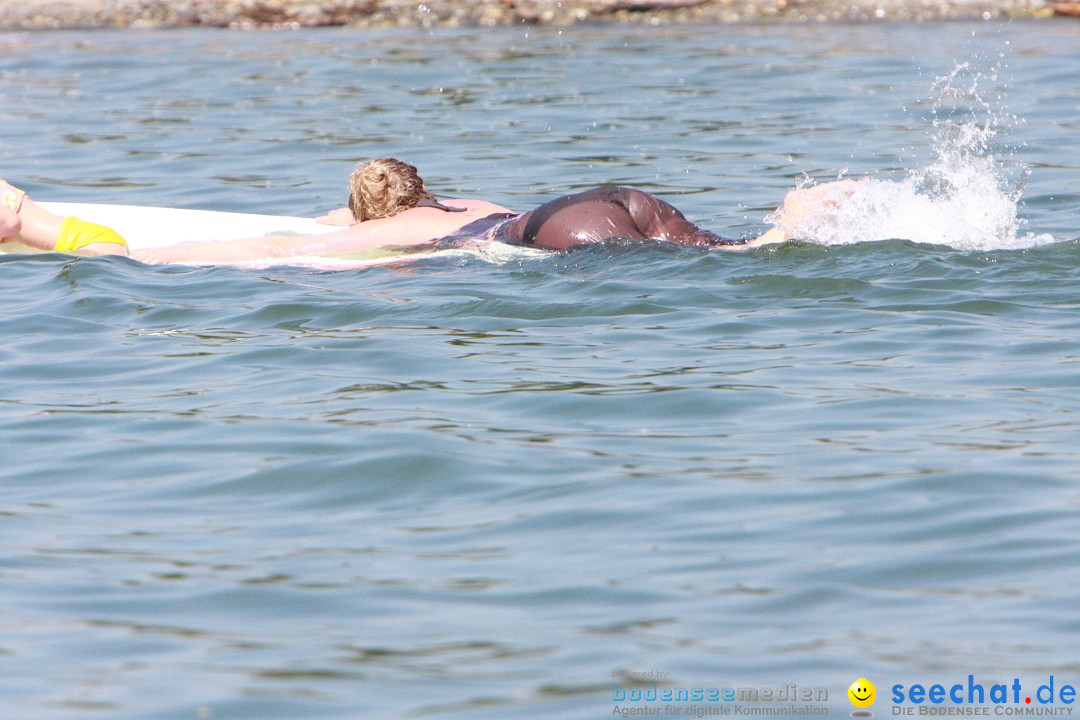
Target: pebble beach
[254,14]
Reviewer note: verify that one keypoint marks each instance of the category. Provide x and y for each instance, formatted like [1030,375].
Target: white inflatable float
[149,227]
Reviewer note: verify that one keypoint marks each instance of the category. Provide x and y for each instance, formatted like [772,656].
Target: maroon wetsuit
[601,214]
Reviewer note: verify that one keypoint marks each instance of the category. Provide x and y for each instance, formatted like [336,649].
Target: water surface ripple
[461,489]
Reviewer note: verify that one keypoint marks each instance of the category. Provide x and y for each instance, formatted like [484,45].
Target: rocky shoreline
[66,14]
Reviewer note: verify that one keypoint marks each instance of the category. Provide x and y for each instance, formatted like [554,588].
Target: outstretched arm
[355,238]
[226,251]
[411,227]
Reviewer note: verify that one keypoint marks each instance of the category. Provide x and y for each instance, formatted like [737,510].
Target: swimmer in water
[22,220]
[389,207]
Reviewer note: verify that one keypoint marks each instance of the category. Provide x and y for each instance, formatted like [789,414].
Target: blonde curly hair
[383,188]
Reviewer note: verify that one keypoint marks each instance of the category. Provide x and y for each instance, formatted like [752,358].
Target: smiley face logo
[862,693]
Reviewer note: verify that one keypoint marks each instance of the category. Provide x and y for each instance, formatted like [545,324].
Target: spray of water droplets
[966,197]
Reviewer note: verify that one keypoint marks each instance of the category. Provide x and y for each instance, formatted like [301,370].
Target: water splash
[966,197]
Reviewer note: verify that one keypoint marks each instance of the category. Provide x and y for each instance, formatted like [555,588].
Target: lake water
[462,488]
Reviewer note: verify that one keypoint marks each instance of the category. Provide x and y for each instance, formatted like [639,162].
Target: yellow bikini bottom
[76,234]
